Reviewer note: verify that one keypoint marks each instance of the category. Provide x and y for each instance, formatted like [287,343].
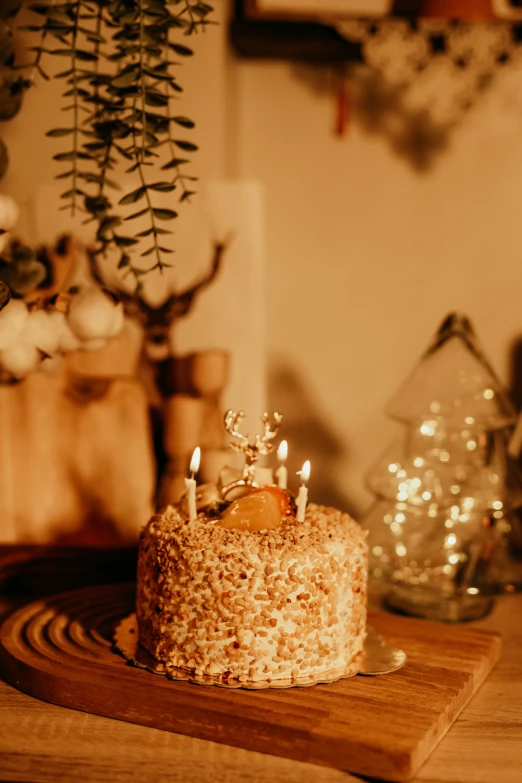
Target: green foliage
[118,87]
[23,273]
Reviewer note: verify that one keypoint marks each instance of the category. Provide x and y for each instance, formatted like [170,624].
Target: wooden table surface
[42,743]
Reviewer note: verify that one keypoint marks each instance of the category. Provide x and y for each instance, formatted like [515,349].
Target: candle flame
[305,472]
[282,451]
[194,462]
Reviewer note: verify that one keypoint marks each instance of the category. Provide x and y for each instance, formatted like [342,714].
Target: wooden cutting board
[59,650]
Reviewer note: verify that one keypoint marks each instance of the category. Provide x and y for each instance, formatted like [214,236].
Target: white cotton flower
[118,320]
[91,314]
[41,331]
[12,319]
[9,212]
[67,340]
[93,345]
[20,359]
[51,364]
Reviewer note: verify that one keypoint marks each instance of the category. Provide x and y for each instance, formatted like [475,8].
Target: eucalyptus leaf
[131,198]
[164,214]
[183,51]
[9,8]
[118,107]
[137,214]
[174,163]
[57,132]
[153,98]
[188,146]
[162,187]
[183,121]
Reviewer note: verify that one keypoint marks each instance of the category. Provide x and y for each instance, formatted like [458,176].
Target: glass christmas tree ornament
[442,529]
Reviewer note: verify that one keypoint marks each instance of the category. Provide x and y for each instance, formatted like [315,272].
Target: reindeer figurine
[262,446]
[157,321]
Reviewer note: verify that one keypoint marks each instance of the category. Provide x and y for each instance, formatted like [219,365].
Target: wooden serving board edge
[20,665]
[446,719]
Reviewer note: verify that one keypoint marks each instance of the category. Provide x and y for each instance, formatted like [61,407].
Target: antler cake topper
[262,445]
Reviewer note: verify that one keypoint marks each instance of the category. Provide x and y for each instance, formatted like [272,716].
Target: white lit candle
[282,472]
[190,484]
[302,497]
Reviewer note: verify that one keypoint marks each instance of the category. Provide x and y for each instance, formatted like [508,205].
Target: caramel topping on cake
[260,510]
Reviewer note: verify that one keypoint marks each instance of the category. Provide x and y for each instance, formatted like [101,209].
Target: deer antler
[232,422]
[264,445]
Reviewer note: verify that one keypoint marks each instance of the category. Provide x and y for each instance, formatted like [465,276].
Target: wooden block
[59,650]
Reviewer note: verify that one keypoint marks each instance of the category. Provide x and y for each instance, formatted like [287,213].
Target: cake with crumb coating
[282,603]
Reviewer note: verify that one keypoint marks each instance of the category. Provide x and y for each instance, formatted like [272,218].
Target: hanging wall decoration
[410,71]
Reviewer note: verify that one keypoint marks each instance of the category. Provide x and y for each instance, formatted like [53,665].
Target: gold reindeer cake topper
[262,446]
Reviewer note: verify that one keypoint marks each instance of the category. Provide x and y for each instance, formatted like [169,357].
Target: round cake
[253,605]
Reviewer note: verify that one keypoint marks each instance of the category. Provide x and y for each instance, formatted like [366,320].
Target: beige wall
[364,255]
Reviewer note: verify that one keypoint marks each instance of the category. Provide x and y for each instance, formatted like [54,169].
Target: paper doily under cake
[376,658]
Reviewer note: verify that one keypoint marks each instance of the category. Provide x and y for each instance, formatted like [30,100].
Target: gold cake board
[377,657]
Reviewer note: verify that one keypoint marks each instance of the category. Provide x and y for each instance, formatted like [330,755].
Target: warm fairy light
[305,472]
[194,462]
[497,504]
[428,428]
[393,468]
[282,451]
[489,394]
[450,541]
[471,445]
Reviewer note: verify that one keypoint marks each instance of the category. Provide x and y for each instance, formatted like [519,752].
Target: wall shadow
[309,436]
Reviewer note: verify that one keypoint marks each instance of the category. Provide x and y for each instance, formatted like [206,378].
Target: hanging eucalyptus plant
[119,82]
